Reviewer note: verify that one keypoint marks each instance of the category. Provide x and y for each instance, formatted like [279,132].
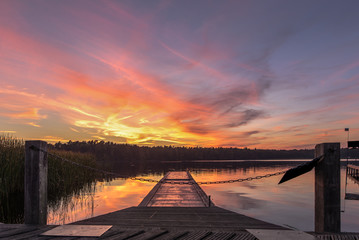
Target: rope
[156,181]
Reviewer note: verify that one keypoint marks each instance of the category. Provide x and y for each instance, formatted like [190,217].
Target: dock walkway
[353,171]
[176,189]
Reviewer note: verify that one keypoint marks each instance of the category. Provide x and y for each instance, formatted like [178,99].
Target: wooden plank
[39,237]
[196,235]
[153,234]
[221,235]
[112,232]
[342,236]
[265,234]
[4,230]
[16,231]
[244,236]
[31,234]
[173,235]
[126,235]
[78,230]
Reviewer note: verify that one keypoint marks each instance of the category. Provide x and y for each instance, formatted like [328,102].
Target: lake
[290,204]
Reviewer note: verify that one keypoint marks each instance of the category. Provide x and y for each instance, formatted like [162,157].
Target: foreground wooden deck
[20,231]
[173,211]
[180,218]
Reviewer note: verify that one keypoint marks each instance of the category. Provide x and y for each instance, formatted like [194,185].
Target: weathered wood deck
[172,211]
[20,231]
[183,218]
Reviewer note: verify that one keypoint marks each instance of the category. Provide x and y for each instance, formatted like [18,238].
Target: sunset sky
[257,74]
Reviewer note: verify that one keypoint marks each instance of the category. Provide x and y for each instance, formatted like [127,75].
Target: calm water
[289,204]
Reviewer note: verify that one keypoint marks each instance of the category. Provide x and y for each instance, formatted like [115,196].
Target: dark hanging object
[353,144]
[300,170]
[351,196]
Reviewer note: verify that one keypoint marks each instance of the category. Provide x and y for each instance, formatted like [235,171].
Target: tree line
[106,152]
[109,152]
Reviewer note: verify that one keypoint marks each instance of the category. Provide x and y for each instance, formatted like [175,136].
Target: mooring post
[327,188]
[35,204]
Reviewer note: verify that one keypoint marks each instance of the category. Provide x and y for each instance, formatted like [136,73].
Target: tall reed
[11,179]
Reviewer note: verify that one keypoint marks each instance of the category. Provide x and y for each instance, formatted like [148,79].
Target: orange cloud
[33,124]
[32,113]
[7,131]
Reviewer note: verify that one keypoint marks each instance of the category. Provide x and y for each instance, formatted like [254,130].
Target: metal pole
[346,170]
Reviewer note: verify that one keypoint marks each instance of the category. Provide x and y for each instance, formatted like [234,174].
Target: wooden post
[35,204]
[327,188]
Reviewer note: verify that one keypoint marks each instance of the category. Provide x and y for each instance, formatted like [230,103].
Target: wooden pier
[172,204]
[353,174]
[176,208]
[353,171]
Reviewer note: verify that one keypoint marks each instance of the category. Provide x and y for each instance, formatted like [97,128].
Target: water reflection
[103,197]
[69,208]
[290,204]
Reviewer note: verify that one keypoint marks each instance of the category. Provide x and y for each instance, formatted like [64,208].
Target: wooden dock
[353,171]
[177,189]
[176,208]
[353,174]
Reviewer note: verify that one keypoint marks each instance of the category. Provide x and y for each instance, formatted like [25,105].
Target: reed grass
[64,179]
[11,179]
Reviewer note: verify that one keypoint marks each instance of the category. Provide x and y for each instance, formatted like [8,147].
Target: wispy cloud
[33,124]
[7,131]
[32,113]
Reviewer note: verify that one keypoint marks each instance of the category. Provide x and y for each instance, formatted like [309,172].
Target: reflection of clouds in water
[238,201]
[70,207]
